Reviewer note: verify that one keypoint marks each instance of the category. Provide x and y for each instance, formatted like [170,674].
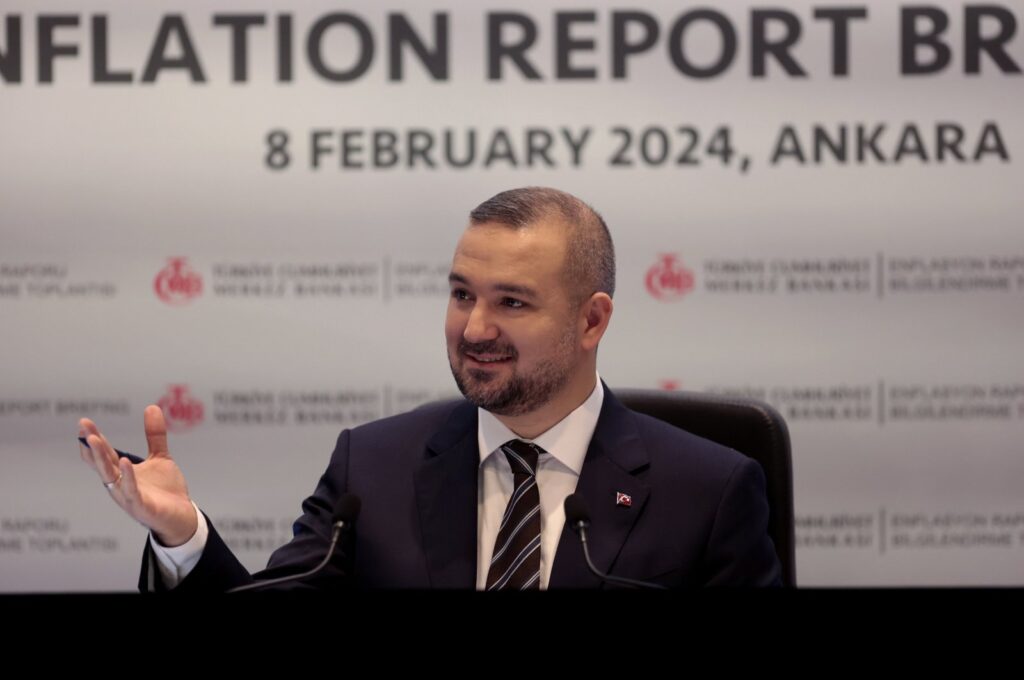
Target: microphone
[344,518]
[578,518]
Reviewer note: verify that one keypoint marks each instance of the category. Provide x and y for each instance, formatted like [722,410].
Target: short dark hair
[590,255]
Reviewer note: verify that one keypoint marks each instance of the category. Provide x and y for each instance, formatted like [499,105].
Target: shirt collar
[567,441]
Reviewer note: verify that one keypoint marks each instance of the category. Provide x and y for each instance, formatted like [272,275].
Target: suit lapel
[614,456]
[446,499]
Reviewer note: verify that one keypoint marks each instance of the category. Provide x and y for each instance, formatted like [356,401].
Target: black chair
[749,426]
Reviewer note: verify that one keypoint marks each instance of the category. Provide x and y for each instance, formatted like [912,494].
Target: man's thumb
[156,431]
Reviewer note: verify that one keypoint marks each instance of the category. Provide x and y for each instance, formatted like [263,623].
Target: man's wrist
[179,539]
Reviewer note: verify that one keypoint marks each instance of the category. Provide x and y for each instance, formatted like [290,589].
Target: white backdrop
[150,253]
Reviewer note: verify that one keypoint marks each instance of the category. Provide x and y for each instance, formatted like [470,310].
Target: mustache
[489,347]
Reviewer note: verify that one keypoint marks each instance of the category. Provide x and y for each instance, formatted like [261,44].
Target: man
[472,493]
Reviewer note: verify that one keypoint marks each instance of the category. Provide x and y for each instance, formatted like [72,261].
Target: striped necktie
[515,563]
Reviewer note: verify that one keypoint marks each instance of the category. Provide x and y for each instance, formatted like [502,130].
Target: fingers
[128,485]
[103,458]
[99,454]
[156,431]
[111,468]
[85,428]
[83,450]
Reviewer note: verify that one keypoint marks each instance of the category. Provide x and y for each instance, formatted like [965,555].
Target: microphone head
[347,509]
[576,512]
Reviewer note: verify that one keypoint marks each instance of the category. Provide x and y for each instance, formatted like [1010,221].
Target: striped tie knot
[522,456]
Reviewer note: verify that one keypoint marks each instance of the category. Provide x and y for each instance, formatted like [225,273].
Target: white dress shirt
[558,470]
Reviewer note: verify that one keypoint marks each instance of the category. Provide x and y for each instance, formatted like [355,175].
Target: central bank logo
[181,410]
[668,279]
[177,284]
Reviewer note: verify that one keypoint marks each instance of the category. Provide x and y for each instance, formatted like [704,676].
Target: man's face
[513,340]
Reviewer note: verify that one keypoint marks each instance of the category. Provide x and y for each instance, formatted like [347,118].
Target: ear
[595,314]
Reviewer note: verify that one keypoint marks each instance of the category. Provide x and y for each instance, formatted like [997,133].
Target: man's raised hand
[154,491]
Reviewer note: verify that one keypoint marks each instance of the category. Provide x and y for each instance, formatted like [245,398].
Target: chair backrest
[749,426]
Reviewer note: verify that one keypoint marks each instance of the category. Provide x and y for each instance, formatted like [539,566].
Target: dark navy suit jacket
[698,515]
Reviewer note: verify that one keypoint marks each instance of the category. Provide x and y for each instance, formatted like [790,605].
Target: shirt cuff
[175,563]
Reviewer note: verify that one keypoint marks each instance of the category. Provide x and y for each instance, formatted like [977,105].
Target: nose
[479,327]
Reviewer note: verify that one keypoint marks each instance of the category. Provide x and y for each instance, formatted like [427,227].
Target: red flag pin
[623,499]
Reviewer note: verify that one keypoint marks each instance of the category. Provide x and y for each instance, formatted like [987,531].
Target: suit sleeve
[740,552]
[218,569]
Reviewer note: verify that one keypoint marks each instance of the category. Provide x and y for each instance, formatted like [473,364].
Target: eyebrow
[513,288]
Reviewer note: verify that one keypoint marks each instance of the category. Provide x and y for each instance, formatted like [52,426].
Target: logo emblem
[623,500]
[177,284]
[181,410]
[668,279]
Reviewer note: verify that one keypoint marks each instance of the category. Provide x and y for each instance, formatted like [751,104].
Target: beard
[518,393]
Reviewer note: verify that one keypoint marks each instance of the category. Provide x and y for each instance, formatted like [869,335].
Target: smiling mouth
[488,359]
